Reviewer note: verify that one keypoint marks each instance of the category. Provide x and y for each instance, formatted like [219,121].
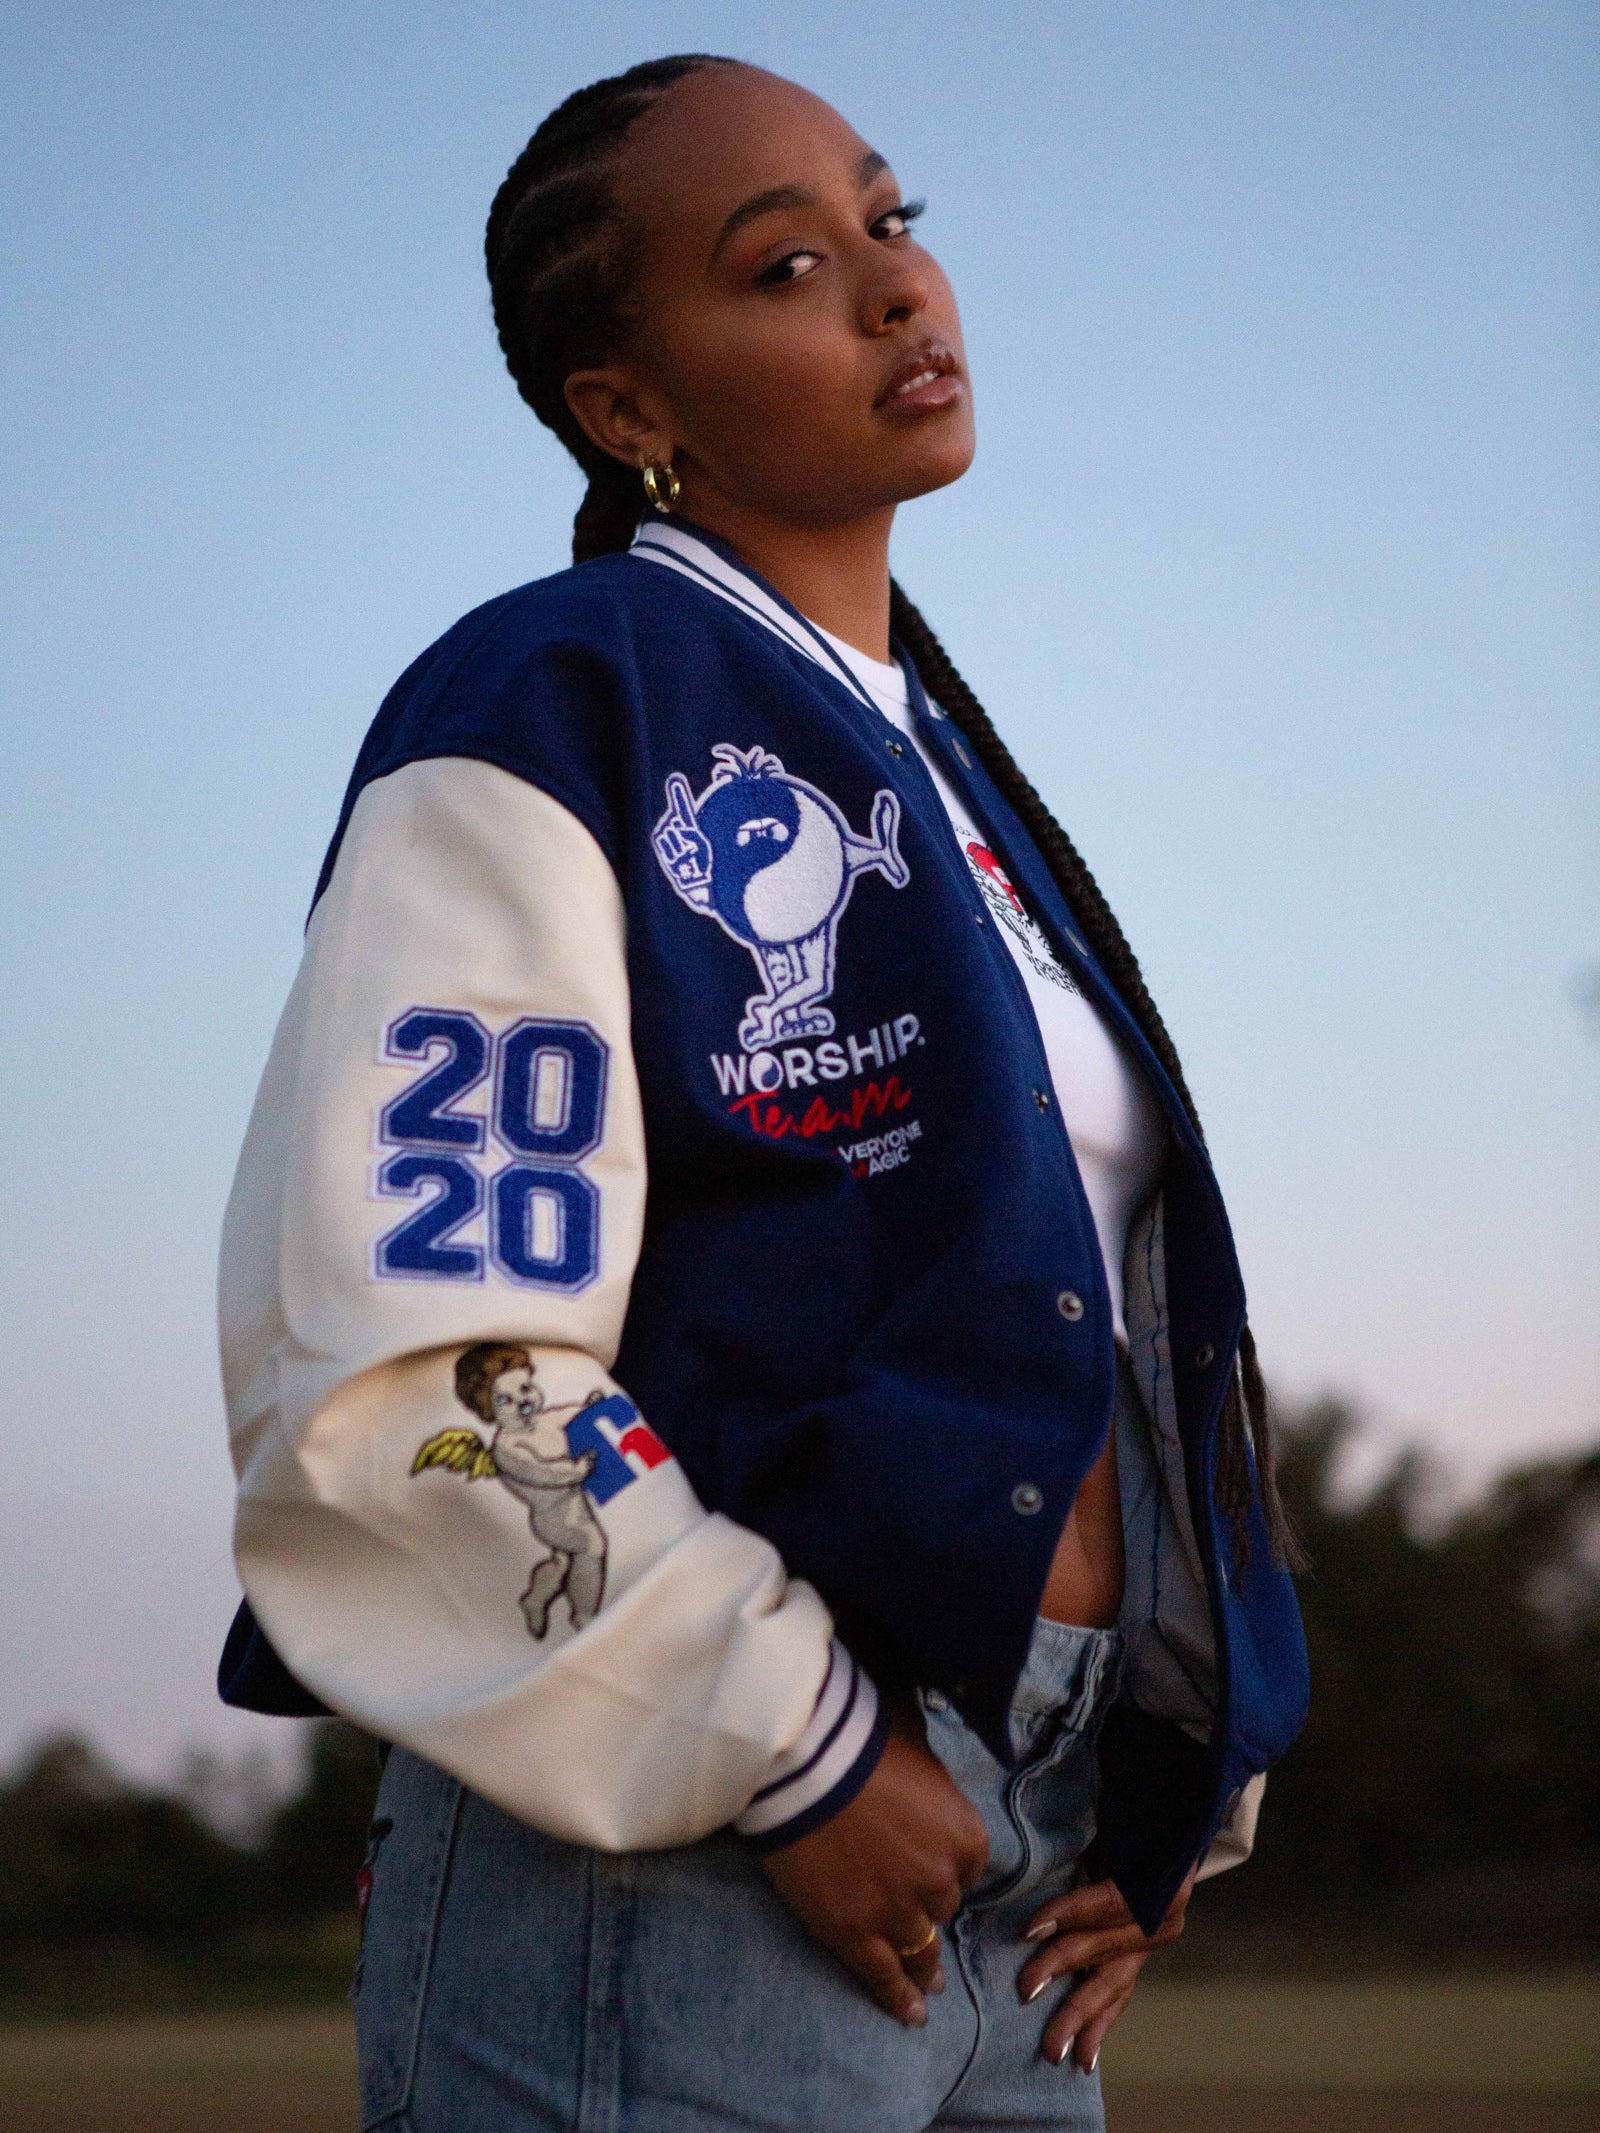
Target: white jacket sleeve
[453,1525]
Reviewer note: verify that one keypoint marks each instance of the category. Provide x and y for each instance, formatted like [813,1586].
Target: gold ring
[922,1946]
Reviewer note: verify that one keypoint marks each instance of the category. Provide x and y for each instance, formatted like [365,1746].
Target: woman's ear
[609,408]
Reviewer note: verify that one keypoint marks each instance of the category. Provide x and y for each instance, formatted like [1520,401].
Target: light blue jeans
[510,1983]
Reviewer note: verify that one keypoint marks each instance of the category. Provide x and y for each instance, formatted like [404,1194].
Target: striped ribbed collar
[705,560]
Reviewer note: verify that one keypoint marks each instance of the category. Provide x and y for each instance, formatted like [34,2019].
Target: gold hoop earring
[661,485]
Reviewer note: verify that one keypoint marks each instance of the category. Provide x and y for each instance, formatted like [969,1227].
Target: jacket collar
[707,561]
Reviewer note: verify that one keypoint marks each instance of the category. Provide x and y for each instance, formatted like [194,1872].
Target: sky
[1277,568]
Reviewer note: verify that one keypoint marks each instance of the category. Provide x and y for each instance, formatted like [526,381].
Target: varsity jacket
[660,1309]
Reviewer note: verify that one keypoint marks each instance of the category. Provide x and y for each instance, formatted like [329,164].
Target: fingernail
[1059,2055]
[917,2015]
[1034,1991]
[1041,1932]
[1095,2061]
[936,1984]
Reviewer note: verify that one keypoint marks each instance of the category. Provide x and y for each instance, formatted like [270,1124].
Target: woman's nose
[898,293]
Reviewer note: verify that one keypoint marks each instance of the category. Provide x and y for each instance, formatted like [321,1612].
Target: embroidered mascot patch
[554,1460]
[773,861]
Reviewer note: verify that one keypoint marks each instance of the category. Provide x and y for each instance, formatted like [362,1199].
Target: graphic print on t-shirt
[1009,909]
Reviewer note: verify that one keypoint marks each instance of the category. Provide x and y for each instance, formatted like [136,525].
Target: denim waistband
[1070,1674]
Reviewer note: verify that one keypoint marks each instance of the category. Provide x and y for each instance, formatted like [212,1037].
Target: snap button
[1204,1356]
[1042,1099]
[1026,1498]
[895,748]
[1070,1304]
[935,1700]
[977,918]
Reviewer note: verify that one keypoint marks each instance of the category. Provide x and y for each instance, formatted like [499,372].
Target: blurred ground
[1224,2110]
[1399,2056]
[1524,2035]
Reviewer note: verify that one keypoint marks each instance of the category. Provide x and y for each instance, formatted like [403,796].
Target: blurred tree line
[1447,1784]
[85,1855]
[1446,1789]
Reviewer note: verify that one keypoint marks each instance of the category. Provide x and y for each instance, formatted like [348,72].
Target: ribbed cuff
[827,1766]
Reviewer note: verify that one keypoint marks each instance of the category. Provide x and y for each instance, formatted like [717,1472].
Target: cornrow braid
[558,256]
[560,265]
[1245,1437]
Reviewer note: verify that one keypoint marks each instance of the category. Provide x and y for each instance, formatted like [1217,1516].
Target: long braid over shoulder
[559,255]
[1246,1429]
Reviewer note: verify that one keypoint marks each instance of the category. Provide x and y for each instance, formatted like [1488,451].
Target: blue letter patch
[548,1113]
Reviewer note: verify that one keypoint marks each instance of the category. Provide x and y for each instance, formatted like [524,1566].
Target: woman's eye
[896,221]
[789,268]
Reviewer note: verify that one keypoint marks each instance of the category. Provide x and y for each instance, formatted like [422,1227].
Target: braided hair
[560,257]
[558,253]
[1246,1429]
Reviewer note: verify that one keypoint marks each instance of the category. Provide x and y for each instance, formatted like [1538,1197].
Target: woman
[772,1580]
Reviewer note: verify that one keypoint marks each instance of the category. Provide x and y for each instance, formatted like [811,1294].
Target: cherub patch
[554,1460]
[773,861]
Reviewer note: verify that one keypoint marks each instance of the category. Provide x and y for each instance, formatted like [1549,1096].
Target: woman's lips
[924,382]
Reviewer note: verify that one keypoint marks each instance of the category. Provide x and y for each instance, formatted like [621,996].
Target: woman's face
[795,350]
[516,1397]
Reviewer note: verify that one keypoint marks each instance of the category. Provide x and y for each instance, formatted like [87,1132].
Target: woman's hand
[886,1871]
[1091,1930]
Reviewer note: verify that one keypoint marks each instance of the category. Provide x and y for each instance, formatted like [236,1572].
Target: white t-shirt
[1113,1121]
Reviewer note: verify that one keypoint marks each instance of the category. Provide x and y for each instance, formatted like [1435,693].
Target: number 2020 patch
[546,1113]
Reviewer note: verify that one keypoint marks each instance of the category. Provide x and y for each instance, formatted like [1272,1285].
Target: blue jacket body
[874,1371]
